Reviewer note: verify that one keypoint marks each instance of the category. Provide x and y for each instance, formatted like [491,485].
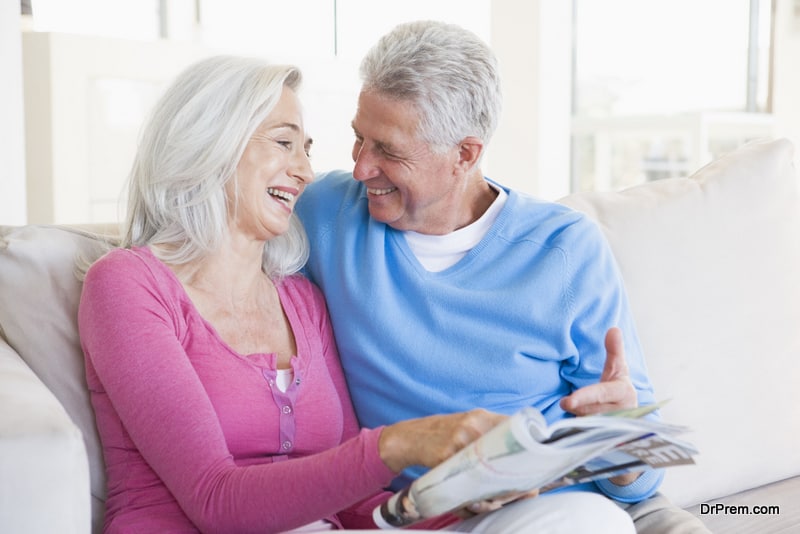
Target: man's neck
[478,196]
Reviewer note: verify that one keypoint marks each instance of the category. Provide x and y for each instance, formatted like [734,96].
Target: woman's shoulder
[300,285]
[121,260]
[305,297]
[123,266]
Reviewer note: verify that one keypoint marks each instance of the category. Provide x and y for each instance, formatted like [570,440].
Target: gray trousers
[657,515]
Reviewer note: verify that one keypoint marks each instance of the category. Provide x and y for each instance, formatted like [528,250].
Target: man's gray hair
[447,72]
[190,148]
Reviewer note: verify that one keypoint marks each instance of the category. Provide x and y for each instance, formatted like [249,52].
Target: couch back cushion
[712,268]
[39,295]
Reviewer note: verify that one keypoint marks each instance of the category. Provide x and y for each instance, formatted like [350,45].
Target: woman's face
[272,173]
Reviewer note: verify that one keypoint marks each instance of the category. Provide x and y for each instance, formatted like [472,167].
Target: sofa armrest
[44,468]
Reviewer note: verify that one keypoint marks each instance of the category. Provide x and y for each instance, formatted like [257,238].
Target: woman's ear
[469,153]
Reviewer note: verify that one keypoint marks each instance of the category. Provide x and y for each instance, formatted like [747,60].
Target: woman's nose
[302,168]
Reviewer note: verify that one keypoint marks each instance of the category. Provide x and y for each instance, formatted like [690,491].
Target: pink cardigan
[195,435]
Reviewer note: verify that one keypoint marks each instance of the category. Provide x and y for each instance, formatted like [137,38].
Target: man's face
[409,187]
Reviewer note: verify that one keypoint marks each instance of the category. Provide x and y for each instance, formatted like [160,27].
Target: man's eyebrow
[387,147]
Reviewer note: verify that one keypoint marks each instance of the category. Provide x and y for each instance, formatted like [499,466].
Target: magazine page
[523,453]
[643,453]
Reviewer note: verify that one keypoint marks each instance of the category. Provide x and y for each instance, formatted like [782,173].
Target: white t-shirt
[284,378]
[438,252]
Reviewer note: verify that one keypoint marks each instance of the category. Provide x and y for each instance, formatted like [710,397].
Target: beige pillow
[39,295]
[44,469]
[712,268]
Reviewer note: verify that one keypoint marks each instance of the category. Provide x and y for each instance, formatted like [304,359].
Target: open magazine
[524,453]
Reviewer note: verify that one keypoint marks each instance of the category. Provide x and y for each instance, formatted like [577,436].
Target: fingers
[615,390]
[601,398]
[615,366]
[430,440]
[469,426]
[485,420]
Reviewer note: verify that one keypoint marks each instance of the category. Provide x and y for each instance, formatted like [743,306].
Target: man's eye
[285,144]
[388,155]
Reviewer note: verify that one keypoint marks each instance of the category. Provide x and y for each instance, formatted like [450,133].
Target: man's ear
[469,153]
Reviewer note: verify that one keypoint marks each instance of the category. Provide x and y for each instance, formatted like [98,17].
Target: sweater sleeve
[130,334]
[597,301]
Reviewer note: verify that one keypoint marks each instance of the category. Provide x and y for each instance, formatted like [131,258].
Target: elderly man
[449,291]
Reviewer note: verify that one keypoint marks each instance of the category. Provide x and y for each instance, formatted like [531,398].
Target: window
[663,86]
[109,18]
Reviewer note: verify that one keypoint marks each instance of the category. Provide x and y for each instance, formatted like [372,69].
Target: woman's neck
[231,273]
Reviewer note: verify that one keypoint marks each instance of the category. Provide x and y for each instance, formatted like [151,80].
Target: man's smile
[379,192]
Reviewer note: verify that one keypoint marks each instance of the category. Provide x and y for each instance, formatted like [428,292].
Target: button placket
[284,401]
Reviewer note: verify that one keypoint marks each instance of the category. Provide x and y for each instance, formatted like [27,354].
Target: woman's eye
[285,144]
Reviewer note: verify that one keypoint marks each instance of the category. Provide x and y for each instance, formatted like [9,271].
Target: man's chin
[389,217]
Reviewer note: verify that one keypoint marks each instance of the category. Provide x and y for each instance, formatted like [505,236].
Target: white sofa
[712,266]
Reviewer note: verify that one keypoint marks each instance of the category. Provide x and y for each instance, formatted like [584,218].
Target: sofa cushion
[712,268]
[43,465]
[39,295]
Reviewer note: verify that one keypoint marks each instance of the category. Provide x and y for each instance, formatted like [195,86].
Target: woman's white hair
[448,73]
[190,148]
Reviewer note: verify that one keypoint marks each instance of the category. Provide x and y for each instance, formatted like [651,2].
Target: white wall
[86,98]
[786,76]
[12,146]
[531,149]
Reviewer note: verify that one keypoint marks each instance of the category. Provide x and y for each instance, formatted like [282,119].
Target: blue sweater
[520,320]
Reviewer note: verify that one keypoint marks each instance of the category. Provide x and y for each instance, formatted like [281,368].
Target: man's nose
[365,165]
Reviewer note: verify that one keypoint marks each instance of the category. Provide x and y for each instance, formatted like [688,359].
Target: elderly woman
[215,379]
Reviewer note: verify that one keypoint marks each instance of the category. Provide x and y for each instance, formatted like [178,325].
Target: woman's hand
[428,441]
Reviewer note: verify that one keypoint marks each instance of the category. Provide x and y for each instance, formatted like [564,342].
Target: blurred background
[598,95]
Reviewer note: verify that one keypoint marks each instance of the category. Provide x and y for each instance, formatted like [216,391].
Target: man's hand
[615,390]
